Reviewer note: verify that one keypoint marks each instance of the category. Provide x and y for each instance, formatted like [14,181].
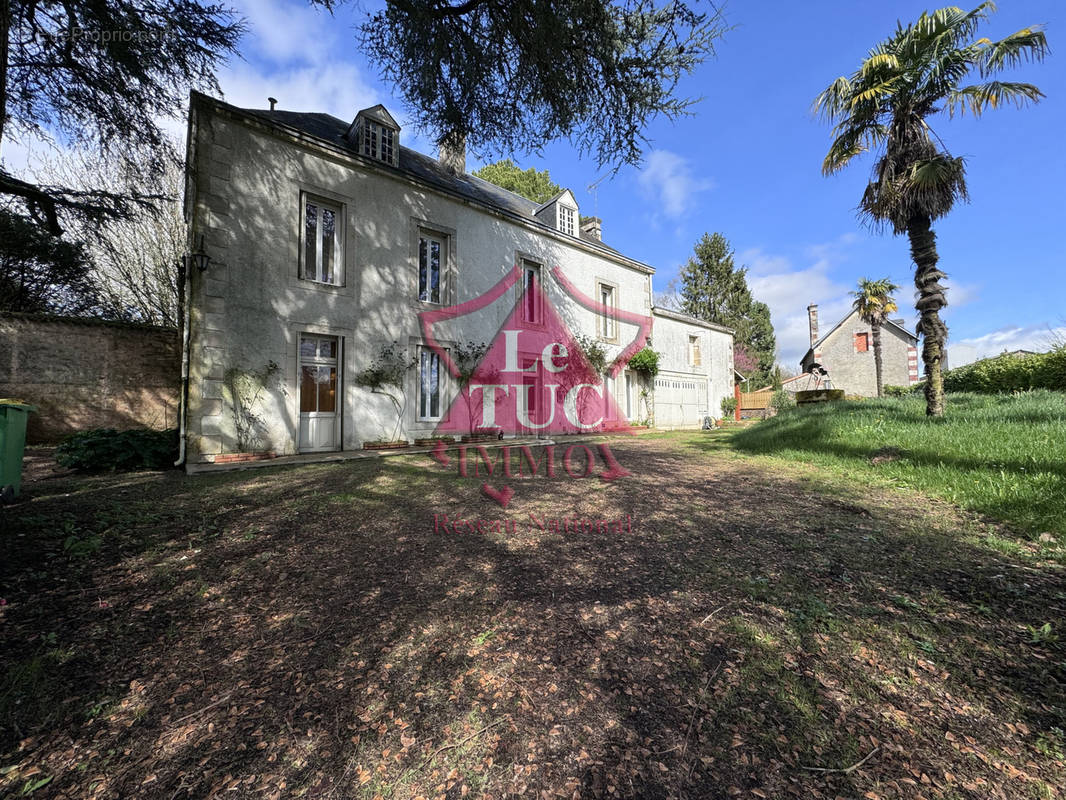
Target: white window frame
[695,352]
[538,312]
[378,141]
[430,236]
[339,216]
[567,219]
[607,322]
[423,353]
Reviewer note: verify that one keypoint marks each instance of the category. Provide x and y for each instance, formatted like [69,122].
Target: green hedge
[104,449]
[1007,373]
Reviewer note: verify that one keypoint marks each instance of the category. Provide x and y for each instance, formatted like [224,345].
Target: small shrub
[781,399]
[595,353]
[389,368]
[729,406]
[106,449]
[896,391]
[646,362]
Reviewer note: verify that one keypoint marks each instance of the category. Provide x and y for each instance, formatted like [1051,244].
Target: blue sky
[747,164]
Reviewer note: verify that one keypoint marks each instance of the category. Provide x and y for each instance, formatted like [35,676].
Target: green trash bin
[13,418]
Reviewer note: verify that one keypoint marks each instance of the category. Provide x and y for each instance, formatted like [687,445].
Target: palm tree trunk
[931,298]
[876,328]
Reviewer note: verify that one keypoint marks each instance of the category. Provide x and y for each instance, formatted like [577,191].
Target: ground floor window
[318,373]
[429,384]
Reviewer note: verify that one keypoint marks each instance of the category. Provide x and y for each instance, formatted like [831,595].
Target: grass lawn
[761,629]
[1000,455]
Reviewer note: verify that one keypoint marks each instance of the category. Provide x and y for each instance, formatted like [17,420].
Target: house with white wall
[329,240]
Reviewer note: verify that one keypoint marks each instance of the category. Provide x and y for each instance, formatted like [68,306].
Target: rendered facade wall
[248,310]
[671,338]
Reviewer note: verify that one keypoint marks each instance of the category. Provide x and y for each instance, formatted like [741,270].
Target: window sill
[307,283]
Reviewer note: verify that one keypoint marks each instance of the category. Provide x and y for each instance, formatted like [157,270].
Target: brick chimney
[592,226]
[812,316]
[453,153]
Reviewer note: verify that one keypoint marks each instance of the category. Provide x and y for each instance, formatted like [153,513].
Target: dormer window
[375,134]
[378,141]
[567,220]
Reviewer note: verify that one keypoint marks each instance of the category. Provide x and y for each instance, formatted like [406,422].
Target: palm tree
[917,72]
[874,302]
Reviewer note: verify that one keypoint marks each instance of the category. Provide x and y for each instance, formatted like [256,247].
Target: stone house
[846,352]
[328,238]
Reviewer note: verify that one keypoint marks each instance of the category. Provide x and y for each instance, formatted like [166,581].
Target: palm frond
[993,94]
[844,148]
[873,299]
[879,61]
[877,92]
[834,99]
[1028,44]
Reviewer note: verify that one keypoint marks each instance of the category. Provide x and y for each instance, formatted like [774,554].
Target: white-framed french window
[321,240]
[432,266]
[567,219]
[430,385]
[606,325]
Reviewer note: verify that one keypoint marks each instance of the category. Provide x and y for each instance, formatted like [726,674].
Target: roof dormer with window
[561,213]
[375,134]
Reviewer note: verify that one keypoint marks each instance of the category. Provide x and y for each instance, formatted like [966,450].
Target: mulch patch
[314,631]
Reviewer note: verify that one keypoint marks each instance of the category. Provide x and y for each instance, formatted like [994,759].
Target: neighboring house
[796,383]
[846,352]
[327,238]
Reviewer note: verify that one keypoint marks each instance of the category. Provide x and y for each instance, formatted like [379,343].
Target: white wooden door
[319,393]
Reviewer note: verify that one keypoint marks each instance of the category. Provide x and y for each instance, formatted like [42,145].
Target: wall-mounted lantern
[200,259]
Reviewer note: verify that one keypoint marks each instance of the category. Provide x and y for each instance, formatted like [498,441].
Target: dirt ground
[705,627]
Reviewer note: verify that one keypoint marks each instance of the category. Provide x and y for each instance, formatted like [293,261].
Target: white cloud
[667,178]
[335,88]
[1037,338]
[788,290]
[961,294]
[283,31]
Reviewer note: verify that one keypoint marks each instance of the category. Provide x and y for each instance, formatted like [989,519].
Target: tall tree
[103,74]
[134,260]
[874,302]
[41,273]
[919,71]
[512,75]
[713,288]
[532,185]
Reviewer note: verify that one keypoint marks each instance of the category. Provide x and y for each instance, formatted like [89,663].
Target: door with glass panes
[319,397]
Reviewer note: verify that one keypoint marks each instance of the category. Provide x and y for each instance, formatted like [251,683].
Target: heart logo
[501,496]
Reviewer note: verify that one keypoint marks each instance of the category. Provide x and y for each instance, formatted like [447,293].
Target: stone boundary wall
[87,373]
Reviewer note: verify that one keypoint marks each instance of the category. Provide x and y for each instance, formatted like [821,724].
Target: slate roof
[422,168]
[681,317]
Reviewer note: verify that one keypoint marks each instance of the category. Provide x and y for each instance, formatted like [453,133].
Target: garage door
[680,402]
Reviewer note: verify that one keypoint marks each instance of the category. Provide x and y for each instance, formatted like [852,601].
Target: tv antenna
[592,187]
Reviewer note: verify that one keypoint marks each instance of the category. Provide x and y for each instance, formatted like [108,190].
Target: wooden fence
[755,401]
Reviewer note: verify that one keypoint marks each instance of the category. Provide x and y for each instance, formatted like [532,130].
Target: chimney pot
[453,153]
[273,102]
[812,316]
[592,226]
